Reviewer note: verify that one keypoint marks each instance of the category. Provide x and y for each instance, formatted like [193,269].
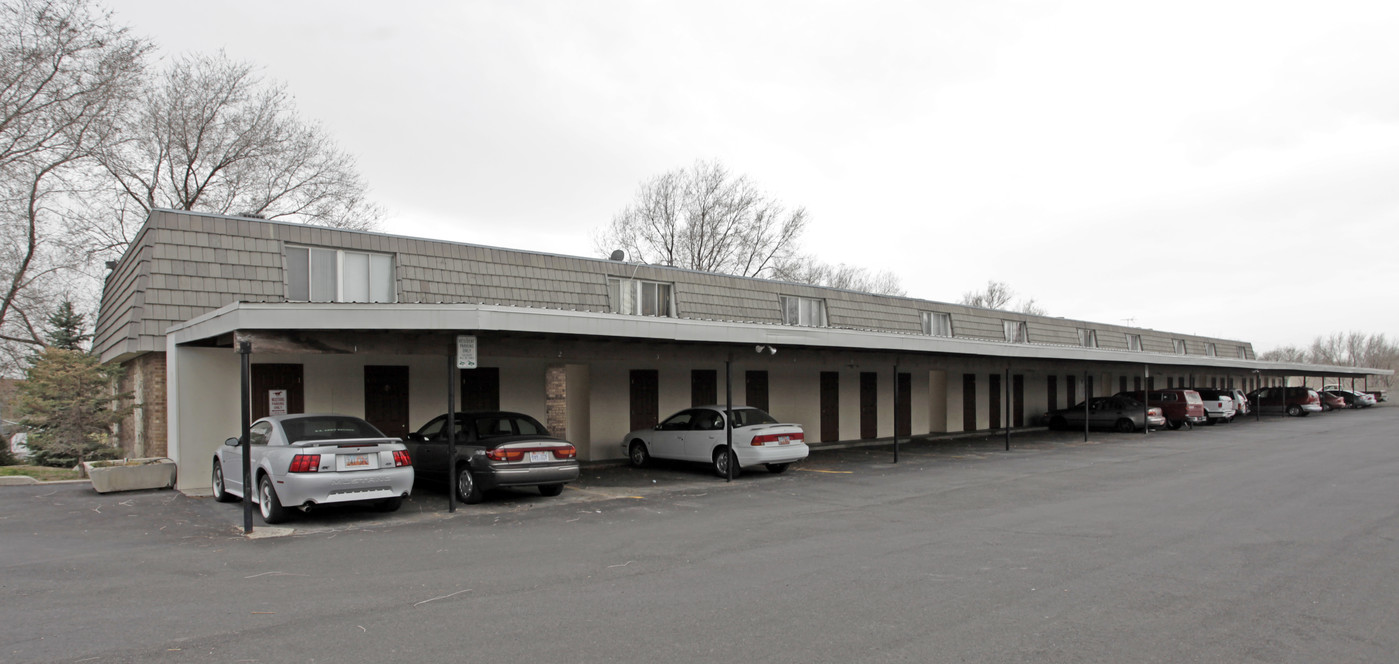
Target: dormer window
[1209,350]
[637,297]
[1134,342]
[1179,345]
[335,275]
[1087,338]
[937,324]
[803,311]
[1017,332]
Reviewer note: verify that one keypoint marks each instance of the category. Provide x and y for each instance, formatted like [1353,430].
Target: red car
[1330,402]
[1181,407]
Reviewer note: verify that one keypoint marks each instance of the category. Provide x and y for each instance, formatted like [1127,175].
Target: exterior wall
[143,432]
[203,411]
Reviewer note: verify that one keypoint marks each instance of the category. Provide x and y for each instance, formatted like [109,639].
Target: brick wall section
[183,265]
[556,400]
[144,379]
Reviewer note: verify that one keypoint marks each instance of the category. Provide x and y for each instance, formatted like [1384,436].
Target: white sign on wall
[276,402]
[466,351]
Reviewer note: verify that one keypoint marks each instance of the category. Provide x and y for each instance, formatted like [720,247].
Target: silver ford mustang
[299,461]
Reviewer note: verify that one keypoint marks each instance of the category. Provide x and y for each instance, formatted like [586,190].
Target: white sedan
[697,434]
[299,461]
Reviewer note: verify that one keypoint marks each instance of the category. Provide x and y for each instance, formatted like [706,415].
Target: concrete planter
[130,474]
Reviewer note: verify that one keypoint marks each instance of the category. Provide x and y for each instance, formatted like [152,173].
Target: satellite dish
[619,255]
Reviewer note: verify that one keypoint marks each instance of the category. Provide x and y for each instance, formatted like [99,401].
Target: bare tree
[998,295]
[1285,354]
[704,218]
[807,270]
[211,135]
[66,72]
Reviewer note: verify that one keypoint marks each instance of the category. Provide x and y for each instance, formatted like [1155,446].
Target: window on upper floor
[338,275]
[1087,338]
[803,311]
[937,324]
[1178,345]
[1017,332]
[637,297]
[1209,350]
[1243,353]
[1134,342]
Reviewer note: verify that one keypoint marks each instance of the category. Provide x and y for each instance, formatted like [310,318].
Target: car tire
[722,461]
[1175,425]
[390,504]
[1210,421]
[468,491]
[1058,424]
[638,455]
[550,490]
[778,468]
[1125,425]
[220,493]
[268,503]
[1294,410]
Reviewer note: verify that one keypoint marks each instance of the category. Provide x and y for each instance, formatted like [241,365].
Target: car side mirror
[231,442]
[417,437]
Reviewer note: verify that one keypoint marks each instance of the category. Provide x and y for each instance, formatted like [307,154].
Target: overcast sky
[1226,167]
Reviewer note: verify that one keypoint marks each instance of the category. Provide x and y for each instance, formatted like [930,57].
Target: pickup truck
[1219,404]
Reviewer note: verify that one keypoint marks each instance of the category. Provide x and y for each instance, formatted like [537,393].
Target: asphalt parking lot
[1256,541]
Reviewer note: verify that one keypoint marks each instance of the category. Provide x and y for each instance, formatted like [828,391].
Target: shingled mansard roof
[185,266]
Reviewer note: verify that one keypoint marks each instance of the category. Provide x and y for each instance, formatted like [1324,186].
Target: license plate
[540,457]
[783,440]
[355,462]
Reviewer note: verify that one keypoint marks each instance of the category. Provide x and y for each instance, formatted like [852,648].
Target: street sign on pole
[466,351]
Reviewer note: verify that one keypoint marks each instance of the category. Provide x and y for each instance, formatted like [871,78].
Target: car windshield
[328,428]
[747,417]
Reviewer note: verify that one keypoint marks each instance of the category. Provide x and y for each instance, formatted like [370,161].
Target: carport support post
[728,419]
[1146,396]
[245,352]
[896,411]
[452,376]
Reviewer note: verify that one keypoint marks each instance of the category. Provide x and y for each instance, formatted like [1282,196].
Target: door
[1017,403]
[869,405]
[969,402]
[645,398]
[706,433]
[1051,392]
[277,389]
[668,439]
[755,390]
[903,410]
[480,389]
[386,399]
[704,387]
[994,405]
[1071,386]
[830,406]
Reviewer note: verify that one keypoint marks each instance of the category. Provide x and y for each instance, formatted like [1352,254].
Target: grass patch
[41,473]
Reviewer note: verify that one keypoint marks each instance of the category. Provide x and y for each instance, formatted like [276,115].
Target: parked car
[1120,413]
[1352,398]
[1240,400]
[1182,407]
[494,449]
[1332,401]
[1297,401]
[697,434]
[300,461]
[1219,404]
[1377,395]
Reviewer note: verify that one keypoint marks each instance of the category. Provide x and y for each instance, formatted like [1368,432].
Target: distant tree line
[1343,349]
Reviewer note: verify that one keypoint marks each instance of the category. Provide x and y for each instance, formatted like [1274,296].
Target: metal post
[728,419]
[453,375]
[896,411]
[245,351]
[1146,396]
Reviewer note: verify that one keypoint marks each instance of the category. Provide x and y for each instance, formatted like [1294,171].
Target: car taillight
[499,454]
[518,453]
[568,452]
[305,463]
[778,438]
[401,458]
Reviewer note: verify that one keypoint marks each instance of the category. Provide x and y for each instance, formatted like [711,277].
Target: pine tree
[66,328]
[67,402]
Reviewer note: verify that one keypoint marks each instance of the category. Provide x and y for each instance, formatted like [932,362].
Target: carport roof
[263,316]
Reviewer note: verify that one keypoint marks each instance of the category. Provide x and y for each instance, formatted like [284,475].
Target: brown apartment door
[830,406]
[1051,392]
[480,389]
[386,399]
[1017,395]
[645,398]
[903,410]
[969,402]
[704,387]
[869,405]
[755,389]
[993,408]
[277,390]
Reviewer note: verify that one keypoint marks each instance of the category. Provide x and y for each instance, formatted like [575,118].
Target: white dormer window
[637,297]
[1017,332]
[335,275]
[937,324]
[803,311]
[1209,350]
[1179,345]
[1087,338]
[1134,342]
